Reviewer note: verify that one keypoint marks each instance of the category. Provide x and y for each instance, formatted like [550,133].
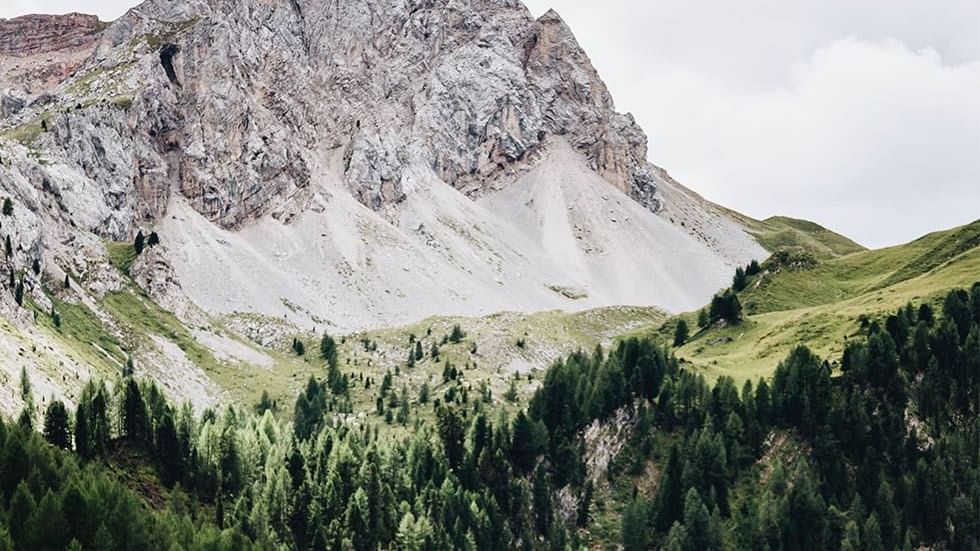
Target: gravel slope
[558,237]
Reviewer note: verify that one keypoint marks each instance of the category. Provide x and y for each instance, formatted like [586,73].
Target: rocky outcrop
[36,34]
[38,52]
[228,101]
[246,109]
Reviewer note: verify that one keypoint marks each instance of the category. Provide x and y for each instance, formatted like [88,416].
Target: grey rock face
[236,106]
[226,102]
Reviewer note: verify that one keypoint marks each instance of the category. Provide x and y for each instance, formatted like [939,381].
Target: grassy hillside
[782,232]
[236,358]
[800,298]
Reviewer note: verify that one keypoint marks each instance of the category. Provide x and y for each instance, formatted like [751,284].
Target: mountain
[376,138]
[396,275]
[313,166]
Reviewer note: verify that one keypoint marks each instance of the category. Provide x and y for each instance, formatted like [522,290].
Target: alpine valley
[395,274]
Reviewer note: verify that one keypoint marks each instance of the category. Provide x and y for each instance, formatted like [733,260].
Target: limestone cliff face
[239,106]
[37,52]
[34,34]
[227,101]
[325,163]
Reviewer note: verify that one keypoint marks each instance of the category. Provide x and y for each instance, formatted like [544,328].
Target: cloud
[869,138]
[863,116]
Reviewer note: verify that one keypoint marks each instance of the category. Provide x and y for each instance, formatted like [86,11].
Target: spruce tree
[19,292]
[739,280]
[703,320]
[634,526]
[680,333]
[139,242]
[328,350]
[543,508]
[56,425]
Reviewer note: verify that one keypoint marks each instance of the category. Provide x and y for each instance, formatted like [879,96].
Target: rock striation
[36,34]
[246,109]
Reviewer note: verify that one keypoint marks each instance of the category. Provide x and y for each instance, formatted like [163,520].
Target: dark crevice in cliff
[167,54]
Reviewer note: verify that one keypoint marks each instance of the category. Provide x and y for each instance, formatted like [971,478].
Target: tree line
[886,458]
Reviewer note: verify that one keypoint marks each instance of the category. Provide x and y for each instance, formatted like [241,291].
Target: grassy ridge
[820,305]
[783,232]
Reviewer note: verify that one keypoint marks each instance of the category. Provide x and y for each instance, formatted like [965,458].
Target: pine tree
[451,431]
[265,403]
[8,247]
[153,240]
[8,206]
[168,450]
[22,508]
[739,280]
[703,319]
[298,347]
[888,519]
[418,350]
[584,505]
[56,425]
[19,292]
[139,242]
[135,418]
[680,333]
[543,508]
[872,534]
[634,526]
[697,521]
[27,396]
[511,394]
[328,350]
[851,540]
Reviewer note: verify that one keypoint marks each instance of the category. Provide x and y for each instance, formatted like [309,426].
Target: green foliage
[681,332]
[739,280]
[635,532]
[818,459]
[781,232]
[8,206]
[703,319]
[121,255]
[139,242]
[53,502]
[19,292]
[726,307]
[328,350]
[457,334]
[57,429]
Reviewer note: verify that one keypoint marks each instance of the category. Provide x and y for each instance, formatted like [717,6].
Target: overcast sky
[861,115]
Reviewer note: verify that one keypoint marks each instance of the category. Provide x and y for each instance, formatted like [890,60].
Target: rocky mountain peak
[38,52]
[34,34]
[426,115]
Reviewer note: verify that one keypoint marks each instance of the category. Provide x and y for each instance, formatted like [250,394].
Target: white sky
[862,115]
